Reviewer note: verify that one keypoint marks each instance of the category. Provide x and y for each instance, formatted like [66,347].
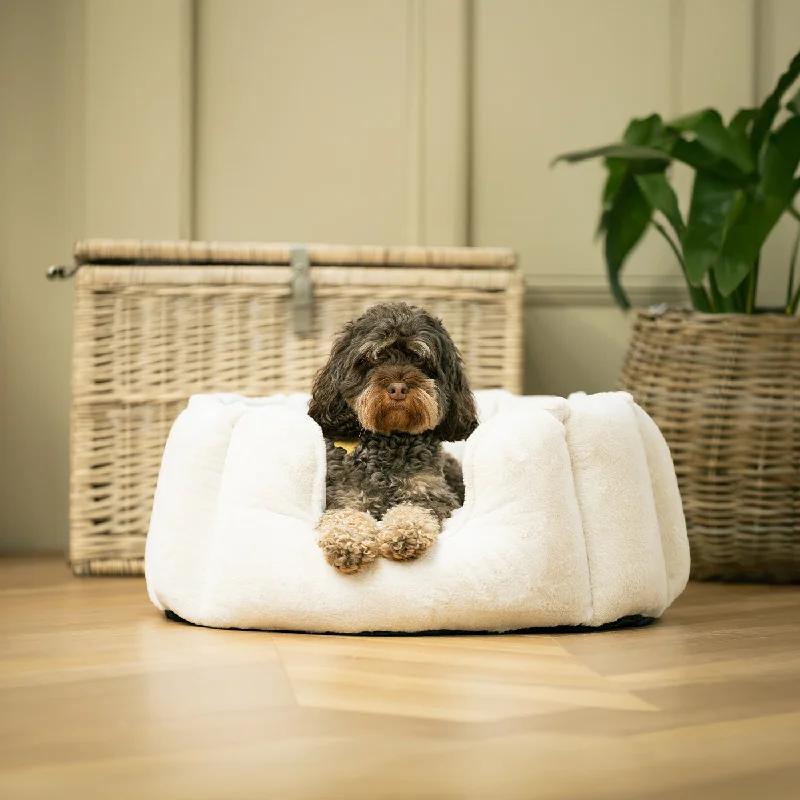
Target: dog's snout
[397,391]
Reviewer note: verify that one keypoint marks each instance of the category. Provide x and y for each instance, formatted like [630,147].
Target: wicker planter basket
[724,390]
[156,322]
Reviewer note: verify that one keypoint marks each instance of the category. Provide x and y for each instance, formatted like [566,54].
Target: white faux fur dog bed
[572,517]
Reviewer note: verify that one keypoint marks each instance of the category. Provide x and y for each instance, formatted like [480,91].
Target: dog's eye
[421,352]
[419,362]
[422,361]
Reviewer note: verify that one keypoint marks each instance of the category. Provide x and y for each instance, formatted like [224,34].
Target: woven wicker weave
[159,321]
[724,391]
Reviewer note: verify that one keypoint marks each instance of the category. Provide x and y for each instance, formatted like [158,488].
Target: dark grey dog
[393,390]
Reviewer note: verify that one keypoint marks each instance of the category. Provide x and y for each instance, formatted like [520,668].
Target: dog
[394,388]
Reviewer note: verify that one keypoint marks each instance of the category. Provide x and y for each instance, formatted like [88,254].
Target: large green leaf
[697,294]
[626,151]
[710,131]
[647,131]
[731,268]
[742,120]
[701,158]
[764,207]
[649,159]
[713,200]
[626,223]
[781,159]
[661,196]
[772,105]
[721,305]
[648,144]
[740,127]
[617,169]
[794,104]
[644,132]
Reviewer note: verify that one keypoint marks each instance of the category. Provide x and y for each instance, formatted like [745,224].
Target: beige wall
[778,38]
[406,121]
[337,122]
[41,205]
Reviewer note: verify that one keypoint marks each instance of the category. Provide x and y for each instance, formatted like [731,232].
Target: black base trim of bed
[632,621]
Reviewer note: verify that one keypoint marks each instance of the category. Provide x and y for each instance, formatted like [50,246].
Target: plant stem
[792,309]
[751,288]
[714,293]
[697,294]
[792,265]
[740,293]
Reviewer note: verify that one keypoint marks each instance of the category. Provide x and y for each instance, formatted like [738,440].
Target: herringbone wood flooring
[102,697]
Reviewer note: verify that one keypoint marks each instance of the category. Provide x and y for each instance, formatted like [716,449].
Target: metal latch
[302,290]
[59,273]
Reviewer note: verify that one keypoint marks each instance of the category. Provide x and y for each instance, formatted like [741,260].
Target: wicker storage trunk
[156,322]
[725,391]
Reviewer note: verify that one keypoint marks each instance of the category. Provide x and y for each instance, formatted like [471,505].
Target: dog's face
[394,369]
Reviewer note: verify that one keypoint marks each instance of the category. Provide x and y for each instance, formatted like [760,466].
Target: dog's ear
[328,407]
[461,415]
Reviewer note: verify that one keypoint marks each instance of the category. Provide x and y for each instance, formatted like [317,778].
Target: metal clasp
[302,290]
[59,273]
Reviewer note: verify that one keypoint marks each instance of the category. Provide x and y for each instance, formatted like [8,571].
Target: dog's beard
[377,412]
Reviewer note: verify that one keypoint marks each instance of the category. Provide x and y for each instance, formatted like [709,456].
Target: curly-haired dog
[392,391]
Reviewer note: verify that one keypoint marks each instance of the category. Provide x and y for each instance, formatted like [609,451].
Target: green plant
[745,181]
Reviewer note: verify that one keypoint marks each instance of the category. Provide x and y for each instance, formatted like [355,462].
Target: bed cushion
[572,516]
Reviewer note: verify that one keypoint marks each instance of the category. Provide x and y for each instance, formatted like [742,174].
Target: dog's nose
[397,391]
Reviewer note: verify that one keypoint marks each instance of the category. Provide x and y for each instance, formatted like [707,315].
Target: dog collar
[348,447]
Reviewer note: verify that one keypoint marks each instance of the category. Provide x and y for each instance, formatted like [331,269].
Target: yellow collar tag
[348,447]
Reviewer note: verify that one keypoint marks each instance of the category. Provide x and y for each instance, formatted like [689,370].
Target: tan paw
[349,539]
[407,532]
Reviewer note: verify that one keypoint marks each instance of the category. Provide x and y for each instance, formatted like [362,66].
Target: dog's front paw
[349,539]
[408,531]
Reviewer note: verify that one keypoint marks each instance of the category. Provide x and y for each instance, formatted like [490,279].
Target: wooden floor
[100,696]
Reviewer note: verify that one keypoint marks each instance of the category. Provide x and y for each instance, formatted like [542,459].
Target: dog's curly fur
[398,472]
